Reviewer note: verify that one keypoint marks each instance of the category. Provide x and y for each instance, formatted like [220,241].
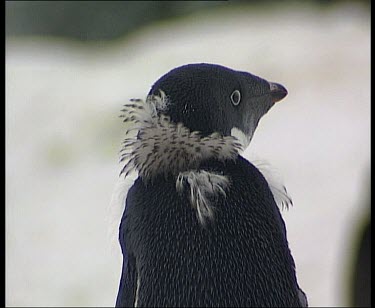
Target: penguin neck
[154,145]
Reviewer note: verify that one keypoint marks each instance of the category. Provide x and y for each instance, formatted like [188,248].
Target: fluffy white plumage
[275,182]
[161,146]
[154,144]
[203,186]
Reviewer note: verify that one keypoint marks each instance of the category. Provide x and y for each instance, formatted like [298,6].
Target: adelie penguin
[201,225]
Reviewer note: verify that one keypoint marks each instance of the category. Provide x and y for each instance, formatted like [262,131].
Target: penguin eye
[235,97]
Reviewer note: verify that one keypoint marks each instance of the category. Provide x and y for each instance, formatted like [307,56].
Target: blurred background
[71,65]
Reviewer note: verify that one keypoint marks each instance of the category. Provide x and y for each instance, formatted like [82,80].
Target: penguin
[201,225]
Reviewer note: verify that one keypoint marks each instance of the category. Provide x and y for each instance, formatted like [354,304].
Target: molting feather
[160,146]
[275,183]
[204,186]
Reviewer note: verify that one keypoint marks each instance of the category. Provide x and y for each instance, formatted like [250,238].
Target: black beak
[278,92]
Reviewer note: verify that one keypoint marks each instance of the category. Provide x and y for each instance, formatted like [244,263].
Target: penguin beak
[278,92]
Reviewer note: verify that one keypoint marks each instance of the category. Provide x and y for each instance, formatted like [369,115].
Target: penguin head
[211,98]
[194,113]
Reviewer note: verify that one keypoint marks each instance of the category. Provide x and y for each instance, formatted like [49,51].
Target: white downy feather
[203,185]
[147,149]
[163,147]
[275,182]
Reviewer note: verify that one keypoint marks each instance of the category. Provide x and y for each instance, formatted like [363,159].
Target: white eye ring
[235,97]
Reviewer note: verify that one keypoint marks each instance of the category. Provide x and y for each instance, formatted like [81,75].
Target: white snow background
[63,135]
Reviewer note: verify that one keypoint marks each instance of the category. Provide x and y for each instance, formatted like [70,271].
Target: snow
[63,135]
